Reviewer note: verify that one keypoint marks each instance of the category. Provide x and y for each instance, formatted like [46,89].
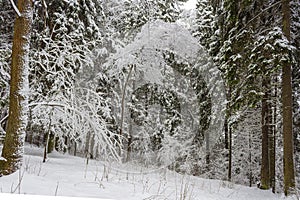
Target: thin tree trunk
[226,134]
[272,138]
[129,137]
[272,153]
[123,104]
[207,157]
[75,148]
[18,104]
[250,158]
[87,144]
[265,169]
[230,153]
[51,143]
[46,147]
[123,99]
[129,142]
[288,160]
[92,148]
[46,144]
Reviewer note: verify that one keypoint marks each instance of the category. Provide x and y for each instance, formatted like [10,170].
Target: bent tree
[15,133]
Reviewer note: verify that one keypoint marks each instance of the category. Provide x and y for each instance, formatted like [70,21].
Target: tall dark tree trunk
[265,168]
[272,136]
[295,30]
[228,135]
[250,160]
[288,160]
[230,153]
[12,150]
[47,139]
[51,143]
[272,155]
[130,132]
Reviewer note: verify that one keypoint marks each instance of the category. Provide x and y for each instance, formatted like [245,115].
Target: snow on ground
[65,175]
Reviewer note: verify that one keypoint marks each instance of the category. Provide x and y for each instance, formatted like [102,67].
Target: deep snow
[65,175]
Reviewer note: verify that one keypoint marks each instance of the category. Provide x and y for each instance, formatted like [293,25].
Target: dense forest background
[138,81]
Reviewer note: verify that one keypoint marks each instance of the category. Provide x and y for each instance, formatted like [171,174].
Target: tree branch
[15,8]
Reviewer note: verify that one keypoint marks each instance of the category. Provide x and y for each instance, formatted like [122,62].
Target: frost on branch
[158,92]
[81,119]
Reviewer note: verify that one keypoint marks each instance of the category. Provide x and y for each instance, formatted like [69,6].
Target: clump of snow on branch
[81,119]
[148,55]
[146,50]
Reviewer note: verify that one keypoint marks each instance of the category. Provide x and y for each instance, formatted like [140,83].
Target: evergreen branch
[271,6]
[255,17]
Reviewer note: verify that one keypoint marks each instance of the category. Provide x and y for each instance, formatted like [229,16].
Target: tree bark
[288,160]
[18,107]
[230,154]
[130,132]
[47,140]
[272,137]
[265,168]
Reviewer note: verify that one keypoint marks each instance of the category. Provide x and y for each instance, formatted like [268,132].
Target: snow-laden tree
[246,147]
[205,26]
[77,125]
[64,34]
[127,17]
[160,86]
[250,52]
[6,32]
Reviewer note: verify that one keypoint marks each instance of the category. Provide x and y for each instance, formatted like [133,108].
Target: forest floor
[65,175]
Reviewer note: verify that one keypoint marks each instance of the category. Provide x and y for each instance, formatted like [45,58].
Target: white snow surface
[69,176]
[191,4]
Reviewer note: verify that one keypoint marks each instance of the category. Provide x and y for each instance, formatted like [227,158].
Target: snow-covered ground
[65,175]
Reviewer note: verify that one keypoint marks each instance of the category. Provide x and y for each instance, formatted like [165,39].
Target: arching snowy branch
[15,8]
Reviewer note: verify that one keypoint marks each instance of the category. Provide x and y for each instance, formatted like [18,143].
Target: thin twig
[251,20]
[56,189]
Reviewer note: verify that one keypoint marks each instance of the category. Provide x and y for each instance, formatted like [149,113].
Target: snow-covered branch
[15,8]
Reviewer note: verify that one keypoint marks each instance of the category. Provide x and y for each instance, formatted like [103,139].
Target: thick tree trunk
[288,160]
[15,134]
